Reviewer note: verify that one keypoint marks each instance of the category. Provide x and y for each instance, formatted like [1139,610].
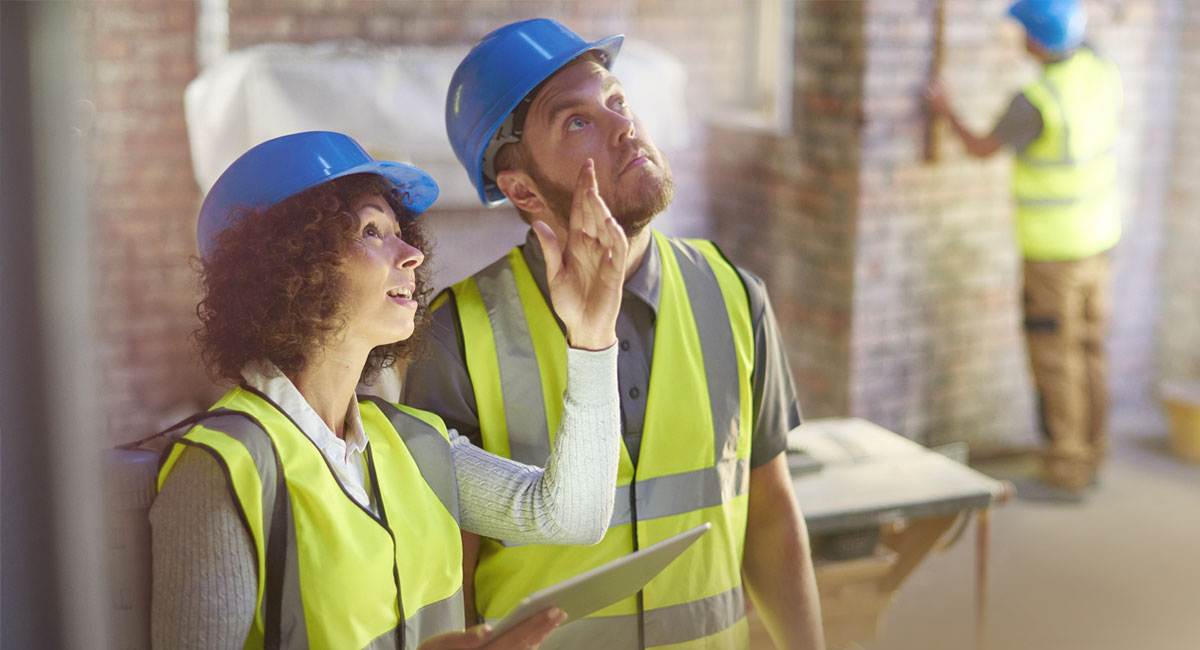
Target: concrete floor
[1121,570]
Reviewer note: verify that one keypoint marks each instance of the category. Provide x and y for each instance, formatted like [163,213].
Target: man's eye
[576,123]
[621,103]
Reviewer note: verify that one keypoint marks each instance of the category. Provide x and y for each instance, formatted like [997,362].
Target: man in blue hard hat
[1063,129]
[707,398]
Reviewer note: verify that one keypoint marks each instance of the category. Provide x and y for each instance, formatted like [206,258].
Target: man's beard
[633,212]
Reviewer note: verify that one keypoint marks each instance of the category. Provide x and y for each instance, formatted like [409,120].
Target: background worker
[1063,128]
[706,393]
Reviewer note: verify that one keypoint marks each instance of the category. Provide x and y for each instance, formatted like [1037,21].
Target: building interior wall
[938,347]
[1179,352]
[894,280]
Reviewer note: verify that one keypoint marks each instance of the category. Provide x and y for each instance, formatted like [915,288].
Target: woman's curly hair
[273,287]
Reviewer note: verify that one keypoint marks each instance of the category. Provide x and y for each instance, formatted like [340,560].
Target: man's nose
[623,128]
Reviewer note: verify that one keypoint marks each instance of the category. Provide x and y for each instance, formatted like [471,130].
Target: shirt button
[634,392]
[625,345]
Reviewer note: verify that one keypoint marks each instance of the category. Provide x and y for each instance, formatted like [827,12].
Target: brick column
[140,55]
[937,352]
[788,204]
[897,280]
[1179,326]
[1142,37]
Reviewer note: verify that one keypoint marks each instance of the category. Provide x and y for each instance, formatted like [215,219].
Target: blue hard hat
[276,169]
[496,75]
[1057,25]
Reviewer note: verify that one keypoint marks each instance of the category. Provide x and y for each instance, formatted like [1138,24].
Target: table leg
[983,530]
[912,545]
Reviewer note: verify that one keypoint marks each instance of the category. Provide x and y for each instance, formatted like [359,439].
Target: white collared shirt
[344,455]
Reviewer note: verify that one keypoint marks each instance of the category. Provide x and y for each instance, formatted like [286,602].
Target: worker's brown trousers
[1066,314]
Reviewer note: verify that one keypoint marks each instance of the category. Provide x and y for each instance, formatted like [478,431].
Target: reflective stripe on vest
[306,599]
[1064,182]
[693,463]
[717,619]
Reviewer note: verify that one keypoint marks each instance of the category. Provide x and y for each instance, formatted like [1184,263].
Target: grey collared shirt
[438,381]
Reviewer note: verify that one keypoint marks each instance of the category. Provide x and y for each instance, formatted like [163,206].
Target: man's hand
[936,99]
[586,274]
[527,635]
[939,106]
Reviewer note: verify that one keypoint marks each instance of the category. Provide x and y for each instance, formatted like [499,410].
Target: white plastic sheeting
[390,99]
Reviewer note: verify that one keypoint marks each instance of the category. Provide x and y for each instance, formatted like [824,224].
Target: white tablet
[604,585]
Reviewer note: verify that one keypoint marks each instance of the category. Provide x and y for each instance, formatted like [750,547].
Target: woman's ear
[519,189]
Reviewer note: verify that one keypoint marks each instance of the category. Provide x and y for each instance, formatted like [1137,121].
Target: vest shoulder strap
[276,504]
[716,257]
[425,436]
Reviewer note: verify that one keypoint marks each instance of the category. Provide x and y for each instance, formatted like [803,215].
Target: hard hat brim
[420,188]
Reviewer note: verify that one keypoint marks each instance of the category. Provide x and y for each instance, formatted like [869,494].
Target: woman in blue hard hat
[295,514]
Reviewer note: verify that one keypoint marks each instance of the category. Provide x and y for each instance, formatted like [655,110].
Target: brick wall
[1180,350]
[139,57]
[894,280]
[702,33]
[787,204]
[918,328]
[1143,38]
[142,55]
[936,348]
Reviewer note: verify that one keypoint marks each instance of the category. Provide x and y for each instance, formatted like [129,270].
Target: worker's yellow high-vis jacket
[1065,181]
[693,463]
[329,570]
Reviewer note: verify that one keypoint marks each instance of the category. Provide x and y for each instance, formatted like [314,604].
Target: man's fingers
[620,248]
[575,220]
[532,631]
[604,234]
[590,223]
[610,238]
[581,209]
[551,249]
[615,253]
[475,637]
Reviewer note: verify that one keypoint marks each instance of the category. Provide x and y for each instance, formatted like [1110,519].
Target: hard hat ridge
[1057,25]
[495,76]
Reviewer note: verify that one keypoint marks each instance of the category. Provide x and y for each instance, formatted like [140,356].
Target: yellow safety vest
[1065,181]
[329,570]
[693,462]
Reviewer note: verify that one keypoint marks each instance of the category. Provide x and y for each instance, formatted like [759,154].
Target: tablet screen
[604,585]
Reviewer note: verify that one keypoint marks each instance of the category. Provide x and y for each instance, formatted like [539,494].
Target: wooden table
[859,482]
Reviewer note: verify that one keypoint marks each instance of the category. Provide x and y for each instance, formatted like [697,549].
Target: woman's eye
[575,123]
[370,230]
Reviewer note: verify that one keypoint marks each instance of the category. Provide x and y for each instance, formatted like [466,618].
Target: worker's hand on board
[936,99]
[526,635]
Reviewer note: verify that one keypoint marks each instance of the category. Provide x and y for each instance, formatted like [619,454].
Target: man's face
[581,113]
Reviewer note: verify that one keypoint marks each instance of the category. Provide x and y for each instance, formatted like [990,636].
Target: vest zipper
[641,608]
[378,494]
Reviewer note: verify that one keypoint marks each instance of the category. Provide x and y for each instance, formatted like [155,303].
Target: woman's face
[381,277]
